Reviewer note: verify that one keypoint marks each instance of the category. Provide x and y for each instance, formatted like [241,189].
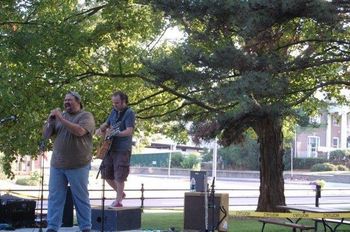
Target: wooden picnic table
[326,221]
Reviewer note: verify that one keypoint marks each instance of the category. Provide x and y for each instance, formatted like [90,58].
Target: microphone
[11,118]
[53,117]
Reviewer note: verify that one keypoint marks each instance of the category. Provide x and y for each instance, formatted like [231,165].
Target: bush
[323,167]
[339,156]
[319,182]
[304,163]
[341,167]
[190,161]
[33,180]
[176,160]
[244,156]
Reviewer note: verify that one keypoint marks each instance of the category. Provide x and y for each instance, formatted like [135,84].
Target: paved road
[165,191]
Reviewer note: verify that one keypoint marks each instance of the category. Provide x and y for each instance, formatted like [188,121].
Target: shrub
[341,167]
[323,167]
[176,160]
[303,163]
[243,156]
[190,161]
[33,180]
[319,182]
[339,155]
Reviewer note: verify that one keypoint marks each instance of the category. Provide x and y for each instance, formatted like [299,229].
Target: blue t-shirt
[123,120]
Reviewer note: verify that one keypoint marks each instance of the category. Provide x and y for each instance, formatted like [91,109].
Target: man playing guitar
[116,164]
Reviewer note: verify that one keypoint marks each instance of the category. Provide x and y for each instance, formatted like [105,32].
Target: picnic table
[328,220]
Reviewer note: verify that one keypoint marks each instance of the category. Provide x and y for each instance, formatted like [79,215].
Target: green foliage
[176,160]
[242,157]
[303,163]
[190,161]
[319,182]
[33,180]
[341,167]
[322,167]
[339,156]
[50,47]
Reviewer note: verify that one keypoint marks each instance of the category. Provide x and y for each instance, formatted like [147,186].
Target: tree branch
[88,12]
[313,40]
[148,97]
[308,92]
[163,114]
[304,64]
[157,105]
[176,93]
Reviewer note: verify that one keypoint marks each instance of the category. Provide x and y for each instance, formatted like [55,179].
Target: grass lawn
[163,220]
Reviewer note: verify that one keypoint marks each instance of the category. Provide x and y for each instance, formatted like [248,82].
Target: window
[312,146]
[335,119]
[315,119]
[335,142]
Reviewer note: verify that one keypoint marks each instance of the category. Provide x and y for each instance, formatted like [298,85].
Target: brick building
[331,132]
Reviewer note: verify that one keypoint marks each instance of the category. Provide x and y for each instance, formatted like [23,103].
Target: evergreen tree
[254,64]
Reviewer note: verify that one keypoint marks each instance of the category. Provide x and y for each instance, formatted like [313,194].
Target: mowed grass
[163,220]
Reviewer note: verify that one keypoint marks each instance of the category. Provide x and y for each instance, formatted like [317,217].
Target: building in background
[331,133]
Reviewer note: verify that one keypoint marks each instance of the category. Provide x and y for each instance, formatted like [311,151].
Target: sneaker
[116,204]
[50,230]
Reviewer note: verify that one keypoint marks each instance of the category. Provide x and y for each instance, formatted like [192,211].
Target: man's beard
[68,108]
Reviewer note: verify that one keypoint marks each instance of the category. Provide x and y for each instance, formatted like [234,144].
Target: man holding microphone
[70,162]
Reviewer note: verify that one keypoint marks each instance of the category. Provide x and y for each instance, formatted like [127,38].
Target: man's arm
[127,132]
[73,128]
[48,130]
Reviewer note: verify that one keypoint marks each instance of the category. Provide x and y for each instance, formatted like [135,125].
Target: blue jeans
[78,179]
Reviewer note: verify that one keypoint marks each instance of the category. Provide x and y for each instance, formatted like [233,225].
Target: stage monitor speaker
[16,211]
[116,219]
[200,178]
[194,212]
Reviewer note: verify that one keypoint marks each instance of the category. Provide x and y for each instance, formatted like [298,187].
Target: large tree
[93,47]
[254,64]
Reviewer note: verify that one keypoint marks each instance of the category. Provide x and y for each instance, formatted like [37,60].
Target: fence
[239,199]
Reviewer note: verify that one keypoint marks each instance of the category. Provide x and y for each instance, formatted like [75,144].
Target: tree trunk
[270,135]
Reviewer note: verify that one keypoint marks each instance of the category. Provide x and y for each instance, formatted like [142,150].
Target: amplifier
[116,219]
[16,211]
[194,212]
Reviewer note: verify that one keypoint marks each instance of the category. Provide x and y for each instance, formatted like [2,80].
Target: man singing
[70,162]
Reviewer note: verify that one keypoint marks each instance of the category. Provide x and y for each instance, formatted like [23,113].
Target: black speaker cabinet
[194,212]
[116,219]
[201,179]
[16,211]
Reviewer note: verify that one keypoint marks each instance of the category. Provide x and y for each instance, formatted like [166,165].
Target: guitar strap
[121,114]
[120,118]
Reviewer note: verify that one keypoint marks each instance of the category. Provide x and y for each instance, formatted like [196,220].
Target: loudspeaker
[116,219]
[194,212]
[200,178]
[16,211]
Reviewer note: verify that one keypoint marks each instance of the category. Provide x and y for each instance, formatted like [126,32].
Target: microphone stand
[206,206]
[42,148]
[212,200]
[103,190]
